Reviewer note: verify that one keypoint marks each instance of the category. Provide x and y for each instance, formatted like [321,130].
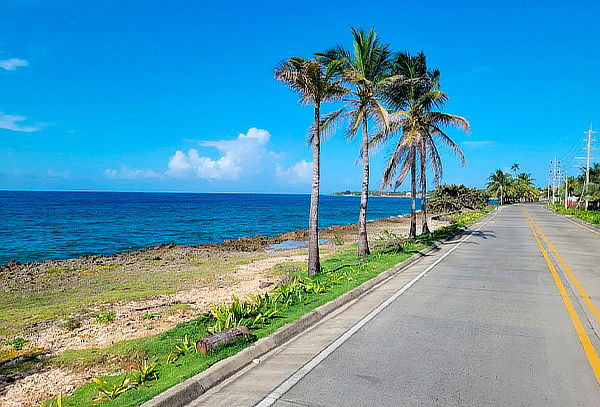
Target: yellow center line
[582,293]
[588,348]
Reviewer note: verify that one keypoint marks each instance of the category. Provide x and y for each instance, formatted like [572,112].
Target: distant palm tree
[415,97]
[514,168]
[525,178]
[366,71]
[499,184]
[316,84]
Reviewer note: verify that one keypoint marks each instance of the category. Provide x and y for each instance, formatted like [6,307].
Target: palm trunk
[413,196]
[314,265]
[363,242]
[425,226]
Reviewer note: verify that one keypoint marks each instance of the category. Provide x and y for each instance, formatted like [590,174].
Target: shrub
[454,198]
[105,317]
[337,240]
[587,216]
[18,343]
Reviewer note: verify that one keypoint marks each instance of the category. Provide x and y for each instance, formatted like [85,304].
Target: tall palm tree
[367,74]
[514,168]
[499,184]
[526,178]
[416,97]
[316,84]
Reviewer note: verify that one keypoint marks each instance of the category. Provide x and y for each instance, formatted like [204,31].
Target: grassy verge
[592,217]
[178,361]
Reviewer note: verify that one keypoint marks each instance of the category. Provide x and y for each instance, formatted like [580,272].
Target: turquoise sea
[58,225]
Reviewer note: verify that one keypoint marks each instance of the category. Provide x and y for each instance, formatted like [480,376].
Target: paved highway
[504,316]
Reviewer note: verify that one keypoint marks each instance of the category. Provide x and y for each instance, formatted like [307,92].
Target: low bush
[592,217]
[105,317]
[17,343]
[454,198]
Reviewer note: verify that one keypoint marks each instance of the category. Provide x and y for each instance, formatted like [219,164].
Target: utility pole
[588,157]
[555,175]
[566,191]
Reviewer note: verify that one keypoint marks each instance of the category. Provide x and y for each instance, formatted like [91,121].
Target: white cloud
[11,122]
[12,63]
[245,154]
[131,173]
[299,173]
[58,174]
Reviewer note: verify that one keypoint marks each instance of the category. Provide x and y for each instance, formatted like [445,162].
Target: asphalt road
[484,322]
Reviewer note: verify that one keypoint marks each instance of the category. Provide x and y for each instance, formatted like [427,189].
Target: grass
[65,293]
[592,217]
[178,307]
[351,270]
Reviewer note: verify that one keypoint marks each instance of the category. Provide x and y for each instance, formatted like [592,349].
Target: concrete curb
[189,390]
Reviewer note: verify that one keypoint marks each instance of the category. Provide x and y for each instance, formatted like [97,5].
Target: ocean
[58,225]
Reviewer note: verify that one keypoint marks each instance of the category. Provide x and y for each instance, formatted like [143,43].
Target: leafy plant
[107,391]
[57,402]
[105,317]
[173,356]
[313,285]
[256,311]
[290,294]
[186,345]
[18,343]
[145,373]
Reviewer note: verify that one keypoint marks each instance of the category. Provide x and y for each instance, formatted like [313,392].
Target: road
[504,316]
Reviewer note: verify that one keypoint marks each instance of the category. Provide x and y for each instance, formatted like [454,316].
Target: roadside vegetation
[588,216]
[582,195]
[148,366]
[510,188]
[454,198]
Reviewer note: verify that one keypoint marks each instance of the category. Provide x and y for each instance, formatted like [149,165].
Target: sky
[179,95]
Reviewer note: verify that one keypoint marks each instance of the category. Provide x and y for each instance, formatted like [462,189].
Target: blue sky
[179,96]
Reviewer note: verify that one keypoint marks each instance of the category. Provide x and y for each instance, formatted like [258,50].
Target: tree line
[585,195]
[383,96]
[515,187]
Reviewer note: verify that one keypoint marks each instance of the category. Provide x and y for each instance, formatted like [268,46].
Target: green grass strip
[592,217]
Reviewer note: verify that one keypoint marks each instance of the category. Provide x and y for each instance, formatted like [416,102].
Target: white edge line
[284,387]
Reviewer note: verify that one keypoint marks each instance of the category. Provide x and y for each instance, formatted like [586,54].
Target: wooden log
[205,344]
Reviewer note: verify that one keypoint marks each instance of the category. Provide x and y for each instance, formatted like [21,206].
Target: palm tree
[525,178]
[415,97]
[316,84]
[499,184]
[514,168]
[366,71]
